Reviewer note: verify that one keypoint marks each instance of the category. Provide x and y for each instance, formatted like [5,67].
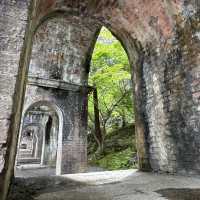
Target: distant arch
[59,114]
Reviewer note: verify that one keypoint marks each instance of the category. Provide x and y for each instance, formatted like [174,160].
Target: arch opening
[58,59]
[163,81]
[40,135]
[111,123]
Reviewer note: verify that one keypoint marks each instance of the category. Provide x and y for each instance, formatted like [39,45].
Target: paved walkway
[36,170]
[115,185]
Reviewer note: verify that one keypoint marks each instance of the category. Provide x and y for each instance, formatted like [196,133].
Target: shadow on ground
[52,187]
[180,193]
[29,188]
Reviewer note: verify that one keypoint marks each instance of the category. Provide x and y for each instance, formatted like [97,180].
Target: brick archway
[31,104]
[162,41]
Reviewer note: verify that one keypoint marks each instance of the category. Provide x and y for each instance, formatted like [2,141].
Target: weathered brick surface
[162,40]
[171,90]
[12,28]
[13,21]
[60,48]
[74,143]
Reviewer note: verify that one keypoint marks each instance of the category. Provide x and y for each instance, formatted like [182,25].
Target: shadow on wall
[180,194]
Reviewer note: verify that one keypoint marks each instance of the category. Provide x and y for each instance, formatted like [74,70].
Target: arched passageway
[38,145]
[162,42]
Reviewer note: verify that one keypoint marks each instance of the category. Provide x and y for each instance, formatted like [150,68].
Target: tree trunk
[123,120]
[98,132]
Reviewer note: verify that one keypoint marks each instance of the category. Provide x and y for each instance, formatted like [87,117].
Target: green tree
[110,75]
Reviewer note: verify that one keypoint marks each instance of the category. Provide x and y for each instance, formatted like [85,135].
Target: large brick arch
[91,29]
[162,41]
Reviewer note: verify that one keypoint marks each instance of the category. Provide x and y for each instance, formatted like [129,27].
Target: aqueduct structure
[45,53]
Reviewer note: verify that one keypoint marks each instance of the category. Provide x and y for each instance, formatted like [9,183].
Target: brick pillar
[13,23]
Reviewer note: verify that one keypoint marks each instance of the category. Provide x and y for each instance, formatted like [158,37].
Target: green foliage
[108,52]
[110,73]
[117,160]
[119,150]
